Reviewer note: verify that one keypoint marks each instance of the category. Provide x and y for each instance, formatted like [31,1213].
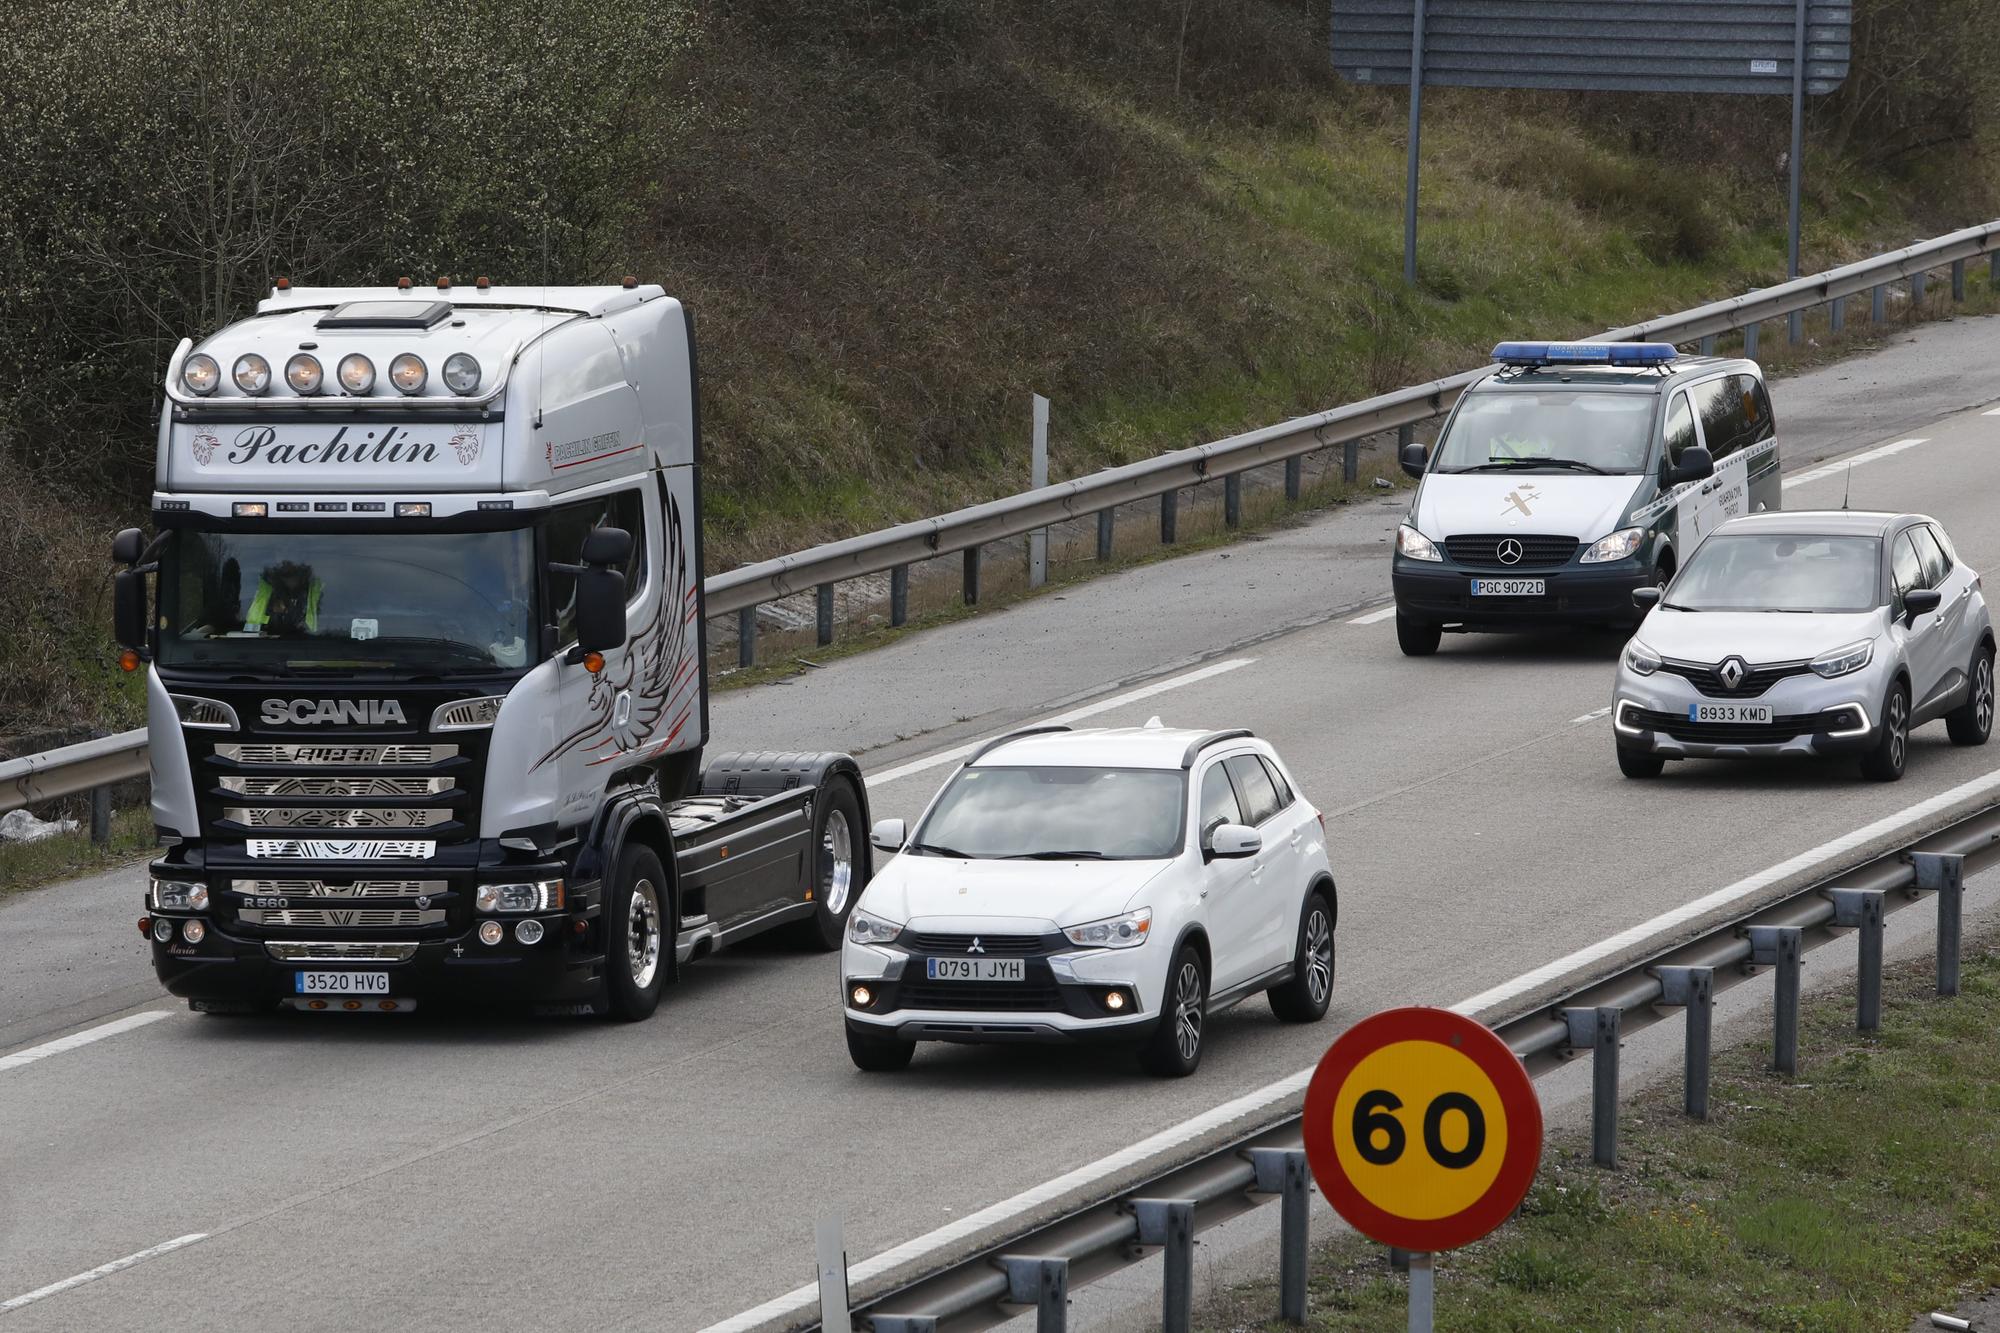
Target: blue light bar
[1584,354]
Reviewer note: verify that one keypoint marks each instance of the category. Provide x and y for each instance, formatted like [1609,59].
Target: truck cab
[426,680]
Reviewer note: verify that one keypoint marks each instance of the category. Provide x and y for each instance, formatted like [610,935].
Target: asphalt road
[563,1174]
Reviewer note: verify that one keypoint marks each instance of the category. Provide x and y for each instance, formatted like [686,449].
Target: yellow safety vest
[259,614]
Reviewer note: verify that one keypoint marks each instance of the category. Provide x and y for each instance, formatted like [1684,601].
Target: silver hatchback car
[1807,633]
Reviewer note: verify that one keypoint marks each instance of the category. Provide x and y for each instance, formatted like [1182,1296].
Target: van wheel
[1174,1048]
[840,868]
[1972,721]
[1417,638]
[1885,762]
[878,1054]
[1304,998]
[1636,763]
[638,942]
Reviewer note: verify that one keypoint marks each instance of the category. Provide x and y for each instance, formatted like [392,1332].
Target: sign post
[1424,1133]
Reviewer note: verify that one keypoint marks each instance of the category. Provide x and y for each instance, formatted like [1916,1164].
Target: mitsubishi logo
[1510,551]
[975,946]
[1732,672]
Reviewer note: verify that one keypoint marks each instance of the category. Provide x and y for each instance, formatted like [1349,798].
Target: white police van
[1572,474]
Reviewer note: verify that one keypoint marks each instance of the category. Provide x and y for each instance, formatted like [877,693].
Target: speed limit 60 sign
[1422,1129]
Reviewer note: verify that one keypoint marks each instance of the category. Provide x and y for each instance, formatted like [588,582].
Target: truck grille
[358,787]
[329,754]
[1482,550]
[372,918]
[318,888]
[304,951]
[313,849]
[351,818]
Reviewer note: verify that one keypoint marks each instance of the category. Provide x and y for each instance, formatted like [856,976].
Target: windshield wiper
[936,850]
[1055,856]
[1676,606]
[1508,464]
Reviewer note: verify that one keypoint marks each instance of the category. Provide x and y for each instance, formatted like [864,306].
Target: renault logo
[976,946]
[1510,551]
[1732,672]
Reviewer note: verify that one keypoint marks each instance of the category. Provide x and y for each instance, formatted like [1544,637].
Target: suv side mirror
[888,835]
[1230,841]
[128,546]
[1920,602]
[1696,465]
[1647,598]
[1414,458]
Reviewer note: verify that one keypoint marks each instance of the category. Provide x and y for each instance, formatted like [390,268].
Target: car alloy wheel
[1319,955]
[1899,730]
[1187,1010]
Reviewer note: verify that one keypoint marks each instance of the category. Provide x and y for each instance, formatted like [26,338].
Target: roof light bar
[1584,354]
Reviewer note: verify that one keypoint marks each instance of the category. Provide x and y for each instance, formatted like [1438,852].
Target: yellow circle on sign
[1417,1184]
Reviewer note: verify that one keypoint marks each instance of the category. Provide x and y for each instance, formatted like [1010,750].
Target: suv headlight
[1641,658]
[865,929]
[541,896]
[1844,661]
[1113,932]
[1620,545]
[174,895]
[1411,543]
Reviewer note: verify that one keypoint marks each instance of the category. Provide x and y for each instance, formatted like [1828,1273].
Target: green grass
[1858,1196]
[35,865]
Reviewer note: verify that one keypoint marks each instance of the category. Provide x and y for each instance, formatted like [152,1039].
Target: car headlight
[1620,545]
[1844,661]
[1415,545]
[1641,658]
[541,896]
[174,895]
[865,929]
[1113,932]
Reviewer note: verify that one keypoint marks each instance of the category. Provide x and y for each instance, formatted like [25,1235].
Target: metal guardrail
[1163,1214]
[75,768]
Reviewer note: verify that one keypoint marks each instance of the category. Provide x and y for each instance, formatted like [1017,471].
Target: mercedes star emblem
[1510,551]
[1732,672]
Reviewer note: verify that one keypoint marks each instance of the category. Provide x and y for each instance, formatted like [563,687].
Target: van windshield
[1549,430]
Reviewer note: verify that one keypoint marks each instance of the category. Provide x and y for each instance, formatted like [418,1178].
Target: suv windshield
[1124,814]
[1773,572]
[417,603]
[1549,430]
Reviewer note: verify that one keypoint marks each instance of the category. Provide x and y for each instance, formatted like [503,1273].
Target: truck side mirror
[1647,598]
[1413,460]
[607,547]
[1696,465]
[128,608]
[600,609]
[128,546]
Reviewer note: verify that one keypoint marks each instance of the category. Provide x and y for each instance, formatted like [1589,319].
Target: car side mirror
[1920,602]
[600,609]
[1648,597]
[607,547]
[128,609]
[1230,841]
[1696,465]
[888,835]
[128,546]
[1414,458]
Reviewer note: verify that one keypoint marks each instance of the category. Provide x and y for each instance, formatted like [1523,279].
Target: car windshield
[424,603]
[1776,572]
[1548,430]
[1123,814]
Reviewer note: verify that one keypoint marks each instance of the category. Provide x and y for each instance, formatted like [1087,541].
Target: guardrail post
[1862,909]
[1170,1223]
[1106,523]
[825,609]
[1708,345]
[100,814]
[1295,476]
[903,1323]
[971,581]
[1795,325]
[1993,271]
[1232,499]
[1958,279]
[1169,509]
[1350,455]
[1878,302]
[899,594]
[1282,1171]
[1918,283]
[1598,1029]
[1780,948]
[1750,341]
[1944,874]
[746,637]
[1693,988]
[1836,314]
[1042,1283]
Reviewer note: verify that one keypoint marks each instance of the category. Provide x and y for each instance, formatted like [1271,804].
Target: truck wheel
[1174,1048]
[1972,721]
[1304,998]
[840,867]
[1885,762]
[878,1054]
[638,942]
[1417,638]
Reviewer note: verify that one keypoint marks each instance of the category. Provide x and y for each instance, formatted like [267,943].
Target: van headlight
[865,929]
[1411,543]
[1620,545]
[1844,661]
[1641,658]
[1126,931]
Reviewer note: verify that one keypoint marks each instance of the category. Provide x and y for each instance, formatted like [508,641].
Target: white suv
[1100,885]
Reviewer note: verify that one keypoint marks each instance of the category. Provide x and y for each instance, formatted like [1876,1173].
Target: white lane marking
[1375,617]
[1591,717]
[801,1299]
[83,1038]
[102,1270]
[1073,715]
[1991,412]
[1867,456]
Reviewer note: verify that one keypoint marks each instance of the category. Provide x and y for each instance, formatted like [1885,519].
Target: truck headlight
[303,373]
[1641,658]
[1415,545]
[461,372]
[865,929]
[1620,545]
[1844,661]
[201,374]
[178,895]
[541,896]
[357,373]
[252,373]
[1125,931]
[409,373]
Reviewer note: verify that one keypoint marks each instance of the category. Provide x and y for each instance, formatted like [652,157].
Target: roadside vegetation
[1860,1196]
[64,856]
[894,219]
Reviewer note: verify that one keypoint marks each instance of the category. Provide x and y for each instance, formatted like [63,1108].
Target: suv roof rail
[1212,738]
[999,741]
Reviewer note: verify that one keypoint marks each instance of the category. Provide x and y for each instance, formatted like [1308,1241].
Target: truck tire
[877,1054]
[1304,998]
[1173,1050]
[839,870]
[638,943]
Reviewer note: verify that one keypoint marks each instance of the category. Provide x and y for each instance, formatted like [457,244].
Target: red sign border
[1517,1096]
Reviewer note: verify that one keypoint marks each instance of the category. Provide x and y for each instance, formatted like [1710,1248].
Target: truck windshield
[1779,573]
[1110,814]
[413,603]
[1549,430]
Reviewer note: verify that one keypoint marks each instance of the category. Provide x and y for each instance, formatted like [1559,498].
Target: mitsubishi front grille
[315,888]
[359,787]
[318,849]
[327,754]
[300,817]
[371,918]
[306,951]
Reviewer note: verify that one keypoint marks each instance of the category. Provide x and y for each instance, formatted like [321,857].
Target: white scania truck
[422,627]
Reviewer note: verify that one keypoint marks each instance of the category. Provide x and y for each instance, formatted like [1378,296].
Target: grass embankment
[36,865]
[1859,1196]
